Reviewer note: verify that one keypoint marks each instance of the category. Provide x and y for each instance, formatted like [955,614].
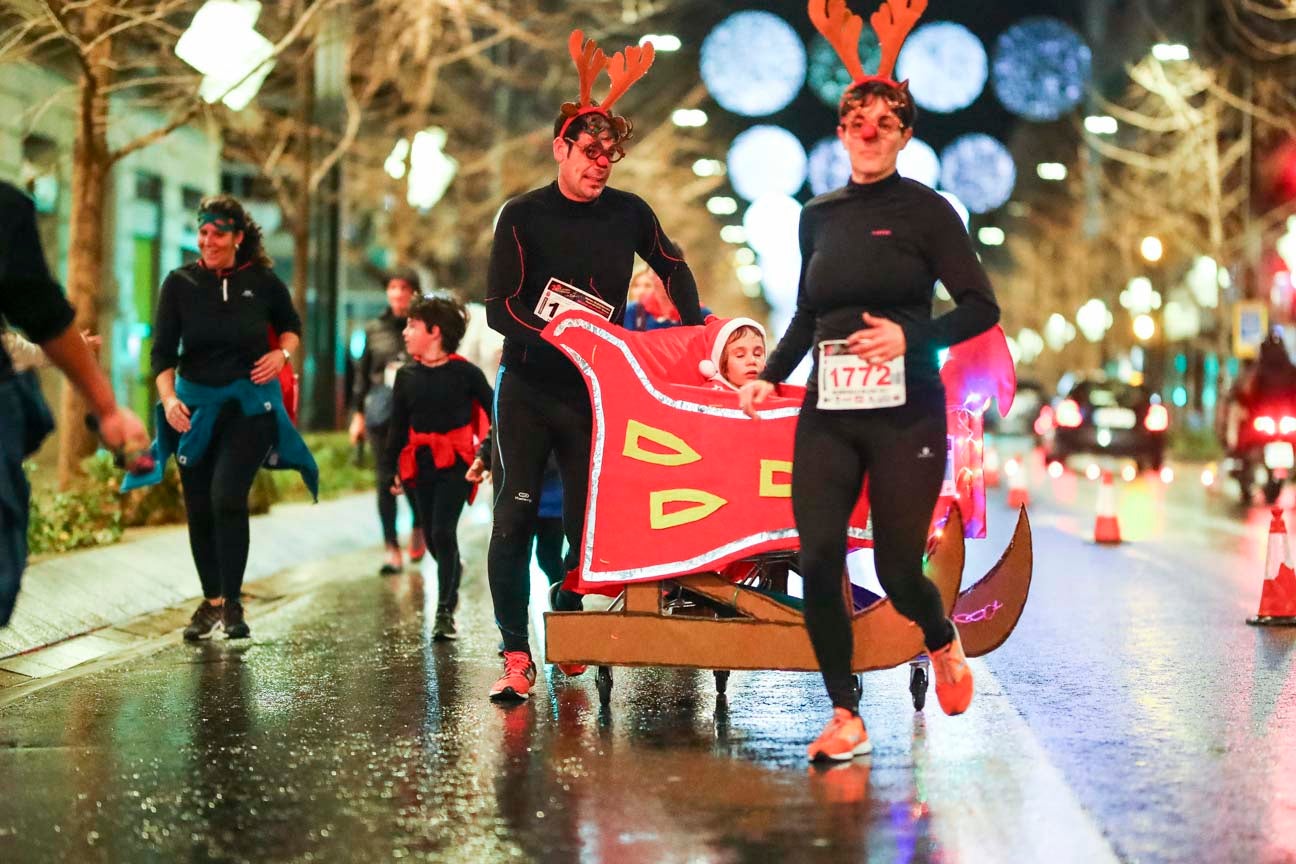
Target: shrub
[339,473]
[89,515]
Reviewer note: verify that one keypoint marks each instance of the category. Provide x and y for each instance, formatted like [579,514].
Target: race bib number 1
[559,297]
[846,382]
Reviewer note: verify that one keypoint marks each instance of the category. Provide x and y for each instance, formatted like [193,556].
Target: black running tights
[529,423]
[216,498]
[386,500]
[902,452]
[441,496]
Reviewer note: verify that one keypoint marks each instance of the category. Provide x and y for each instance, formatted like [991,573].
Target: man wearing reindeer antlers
[870,255]
[569,244]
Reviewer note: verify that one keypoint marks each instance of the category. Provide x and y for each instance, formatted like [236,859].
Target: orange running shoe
[843,738]
[519,675]
[953,677]
[571,670]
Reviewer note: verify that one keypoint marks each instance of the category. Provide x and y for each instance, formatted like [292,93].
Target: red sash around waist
[446,447]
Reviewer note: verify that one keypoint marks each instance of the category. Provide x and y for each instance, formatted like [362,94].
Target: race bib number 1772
[559,297]
[846,382]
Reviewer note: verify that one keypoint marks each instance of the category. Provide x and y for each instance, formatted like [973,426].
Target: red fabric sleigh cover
[681,481]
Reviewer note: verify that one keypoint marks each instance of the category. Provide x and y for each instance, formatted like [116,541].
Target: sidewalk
[96,591]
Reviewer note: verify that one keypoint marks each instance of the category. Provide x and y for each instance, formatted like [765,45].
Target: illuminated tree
[122,51]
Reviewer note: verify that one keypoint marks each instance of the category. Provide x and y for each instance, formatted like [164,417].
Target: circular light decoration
[827,76]
[945,65]
[918,161]
[771,224]
[740,85]
[1041,68]
[781,278]
[766,160]
[829,166]
[979,170]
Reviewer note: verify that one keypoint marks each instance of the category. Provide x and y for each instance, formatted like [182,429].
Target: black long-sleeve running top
[542,234]
[221,320]
[29,297]
[433,399]
[879,248]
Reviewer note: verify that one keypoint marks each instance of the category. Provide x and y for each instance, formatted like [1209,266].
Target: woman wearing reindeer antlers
[875,407]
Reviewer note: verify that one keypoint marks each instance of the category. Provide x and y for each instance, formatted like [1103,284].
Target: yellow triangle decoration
[636,432]
[704,504]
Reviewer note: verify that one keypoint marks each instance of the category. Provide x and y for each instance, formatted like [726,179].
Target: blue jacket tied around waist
[289,450]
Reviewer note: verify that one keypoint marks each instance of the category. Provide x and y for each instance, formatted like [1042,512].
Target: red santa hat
[715,334]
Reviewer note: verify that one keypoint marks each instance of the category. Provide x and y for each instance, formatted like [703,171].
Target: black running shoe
[205,622]
[232,619]
[444,628]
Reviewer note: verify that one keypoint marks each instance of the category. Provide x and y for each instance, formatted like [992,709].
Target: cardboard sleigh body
[687,494]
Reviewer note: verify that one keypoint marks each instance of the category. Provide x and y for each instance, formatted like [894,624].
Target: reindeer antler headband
[891,22]
[624,69]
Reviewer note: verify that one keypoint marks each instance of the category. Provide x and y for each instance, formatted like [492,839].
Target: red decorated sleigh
[689,517]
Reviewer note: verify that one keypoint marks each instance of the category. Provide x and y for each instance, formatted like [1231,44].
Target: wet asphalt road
[1131,716]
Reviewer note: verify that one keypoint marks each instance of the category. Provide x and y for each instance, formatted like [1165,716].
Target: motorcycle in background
[1263,452]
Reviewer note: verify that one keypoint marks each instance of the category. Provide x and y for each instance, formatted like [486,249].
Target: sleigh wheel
[722,681]
[603,681]
[918,684]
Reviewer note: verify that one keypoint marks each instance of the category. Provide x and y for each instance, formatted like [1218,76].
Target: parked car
[1103,416]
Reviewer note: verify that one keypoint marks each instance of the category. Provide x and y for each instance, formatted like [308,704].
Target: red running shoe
[842,739]
[417,545]
[519,675]
[953,677]
[571,670]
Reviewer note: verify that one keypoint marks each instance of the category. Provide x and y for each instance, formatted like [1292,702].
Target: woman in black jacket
[217,379]
[371,402]
[871,253]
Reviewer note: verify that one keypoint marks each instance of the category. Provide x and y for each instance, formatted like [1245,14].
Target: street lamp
[1144,327]
[1151,249]
[990,235]
[721,205]
[708,168]
[661,41]
[1100,124]
[234,58]
[689,117]
[1051,171]
[1168,52]
[1094,319]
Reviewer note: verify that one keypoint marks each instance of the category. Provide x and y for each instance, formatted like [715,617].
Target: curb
[100,594]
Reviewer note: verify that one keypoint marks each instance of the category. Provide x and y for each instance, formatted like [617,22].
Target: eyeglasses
[594,152]
[886,125]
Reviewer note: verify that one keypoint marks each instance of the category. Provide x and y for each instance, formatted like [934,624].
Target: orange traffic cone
[1018,494]
[1278,596]
[1106,527]
[990,468]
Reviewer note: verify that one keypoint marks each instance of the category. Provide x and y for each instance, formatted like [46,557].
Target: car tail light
[1044,422]
[1157,419]
[1068,414]
[1287,425]
[1265,425]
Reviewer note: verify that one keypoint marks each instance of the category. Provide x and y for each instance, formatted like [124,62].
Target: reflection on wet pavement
[341,732]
